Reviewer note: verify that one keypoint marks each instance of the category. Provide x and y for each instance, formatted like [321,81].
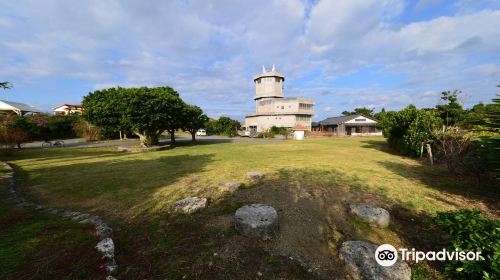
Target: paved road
[80,142]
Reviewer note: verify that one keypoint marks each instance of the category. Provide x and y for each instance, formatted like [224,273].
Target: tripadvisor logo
[387,255]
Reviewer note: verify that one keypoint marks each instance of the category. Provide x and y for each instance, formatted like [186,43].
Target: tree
[451,112]
[147,112]
[223,126]
[407,129]
[367,112]
[193,119]
[5,85]
[228,126]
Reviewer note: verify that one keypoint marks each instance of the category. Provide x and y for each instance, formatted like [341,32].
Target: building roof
[340,119]
[21,106]
[68,105]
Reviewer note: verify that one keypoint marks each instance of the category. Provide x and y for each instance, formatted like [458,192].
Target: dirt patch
[313,219]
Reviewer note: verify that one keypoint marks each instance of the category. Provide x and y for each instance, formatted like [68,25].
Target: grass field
[309,182]
[35,245]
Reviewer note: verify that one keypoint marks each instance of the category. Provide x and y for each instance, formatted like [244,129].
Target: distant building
[66,109]
[354,125]
[17,108]
[273,109]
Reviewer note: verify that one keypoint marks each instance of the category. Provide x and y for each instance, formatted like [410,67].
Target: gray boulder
[256,220]
[371,214]
[190,205]
[255,175]
[360,263]
[229,186]
[107,248]
[103,230]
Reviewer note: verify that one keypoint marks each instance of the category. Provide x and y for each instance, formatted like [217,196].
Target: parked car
[201,132]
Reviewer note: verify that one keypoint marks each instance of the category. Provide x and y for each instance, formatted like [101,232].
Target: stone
[256,220]
[54,211]
[229,186]
[80,217]
[371,214]
[103,230]
[190,204]
[107,248]
[91,220]
[111,266]
[255,175]
[360,263]
[110,278]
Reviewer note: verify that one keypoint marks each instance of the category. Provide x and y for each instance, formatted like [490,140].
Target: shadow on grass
[314,221]
[35,245]
[99,183]
[438,178]
[380,145]
[311,203]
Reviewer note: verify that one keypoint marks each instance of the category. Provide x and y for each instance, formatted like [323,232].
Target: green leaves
[407,129]
[470,231]
[145,111]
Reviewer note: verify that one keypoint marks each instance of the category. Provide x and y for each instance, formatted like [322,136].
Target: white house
[17,108]
[353,125]
[66,109]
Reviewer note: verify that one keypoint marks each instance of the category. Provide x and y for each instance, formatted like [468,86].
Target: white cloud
[208,50]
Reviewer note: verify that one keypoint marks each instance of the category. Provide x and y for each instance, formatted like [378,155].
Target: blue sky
[343,54]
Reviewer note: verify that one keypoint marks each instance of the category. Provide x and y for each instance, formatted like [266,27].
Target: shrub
[407,129]
[465,153]
[468,230]
[10,136]
[223,126]
[279,131]
[87,130]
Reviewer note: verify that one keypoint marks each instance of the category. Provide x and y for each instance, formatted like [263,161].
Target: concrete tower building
[273,109]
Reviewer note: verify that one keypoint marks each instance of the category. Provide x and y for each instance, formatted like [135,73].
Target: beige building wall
[264,123]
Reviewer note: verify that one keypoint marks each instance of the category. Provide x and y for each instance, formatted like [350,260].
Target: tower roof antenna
[263,69]
[274,68]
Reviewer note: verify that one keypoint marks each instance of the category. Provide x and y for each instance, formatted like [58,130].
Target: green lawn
[317,177]
[35,245]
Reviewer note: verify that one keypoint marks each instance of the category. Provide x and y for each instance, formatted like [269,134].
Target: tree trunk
[193,135]
[172,137]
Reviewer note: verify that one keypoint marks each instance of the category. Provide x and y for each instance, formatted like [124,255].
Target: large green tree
[452,111]
[147,112]
[367,112]
[193,119]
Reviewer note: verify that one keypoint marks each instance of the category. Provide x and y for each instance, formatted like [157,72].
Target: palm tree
[5,85]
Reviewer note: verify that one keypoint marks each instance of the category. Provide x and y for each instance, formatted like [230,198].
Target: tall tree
[193,119]
[147,112]
[452,111]
[367,112]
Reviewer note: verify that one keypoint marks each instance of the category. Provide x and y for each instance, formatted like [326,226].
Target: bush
[223,126]
[279,131]
[45,127]
[87,130]
[468,230]
[465,153]
[10,136]
[407,129]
